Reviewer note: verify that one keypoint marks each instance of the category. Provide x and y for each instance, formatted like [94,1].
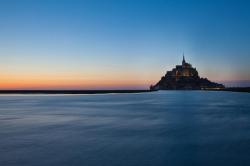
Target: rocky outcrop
[184,77]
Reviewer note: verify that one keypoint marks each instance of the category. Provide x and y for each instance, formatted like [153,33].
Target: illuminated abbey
[184,76]
[185,70]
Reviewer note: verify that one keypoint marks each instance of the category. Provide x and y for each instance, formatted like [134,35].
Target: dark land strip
[69,91]
[233,89]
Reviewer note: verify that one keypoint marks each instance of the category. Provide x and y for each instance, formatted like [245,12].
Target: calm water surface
[147,129]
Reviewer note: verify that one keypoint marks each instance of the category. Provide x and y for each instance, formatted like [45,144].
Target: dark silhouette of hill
[184,77]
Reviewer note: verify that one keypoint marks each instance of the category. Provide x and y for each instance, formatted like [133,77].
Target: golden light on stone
[184,76]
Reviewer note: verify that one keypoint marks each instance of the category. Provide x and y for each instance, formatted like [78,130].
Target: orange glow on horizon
[69,82]
[94,79]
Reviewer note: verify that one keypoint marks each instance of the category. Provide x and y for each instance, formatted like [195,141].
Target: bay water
[145,129]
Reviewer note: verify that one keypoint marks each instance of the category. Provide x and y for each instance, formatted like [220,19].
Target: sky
[120,44]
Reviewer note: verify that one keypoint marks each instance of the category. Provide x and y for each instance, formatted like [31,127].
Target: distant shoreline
[233,89]
[70,91]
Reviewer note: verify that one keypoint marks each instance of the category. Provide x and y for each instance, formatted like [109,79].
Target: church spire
[183,60]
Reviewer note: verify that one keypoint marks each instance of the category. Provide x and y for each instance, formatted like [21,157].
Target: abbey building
[184,76]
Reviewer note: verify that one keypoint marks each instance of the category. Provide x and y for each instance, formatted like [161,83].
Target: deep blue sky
[121,43]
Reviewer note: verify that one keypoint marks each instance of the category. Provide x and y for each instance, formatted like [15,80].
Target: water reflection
[160,128]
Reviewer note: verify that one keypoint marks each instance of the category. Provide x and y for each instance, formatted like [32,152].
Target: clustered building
[184,77]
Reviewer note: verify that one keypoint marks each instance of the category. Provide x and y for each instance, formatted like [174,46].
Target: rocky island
[185,77]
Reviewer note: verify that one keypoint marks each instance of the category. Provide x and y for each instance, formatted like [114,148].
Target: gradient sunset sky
[120,44]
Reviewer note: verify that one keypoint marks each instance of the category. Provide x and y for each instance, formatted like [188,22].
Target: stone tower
[183,60]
